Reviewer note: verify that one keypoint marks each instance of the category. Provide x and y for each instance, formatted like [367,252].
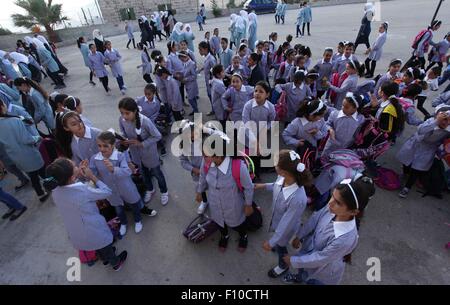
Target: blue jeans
[193,103]
[158,174]
[282,251]
[120,82]
[136,207]
[10,201]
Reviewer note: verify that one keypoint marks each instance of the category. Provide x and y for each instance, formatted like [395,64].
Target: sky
[71,9]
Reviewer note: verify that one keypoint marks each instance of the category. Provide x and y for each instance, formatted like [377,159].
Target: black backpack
[434,181]
[254,221]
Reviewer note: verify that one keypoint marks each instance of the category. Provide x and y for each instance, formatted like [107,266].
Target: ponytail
[58,173]
[311,107]
[72,103]
[400,114]
[130,104]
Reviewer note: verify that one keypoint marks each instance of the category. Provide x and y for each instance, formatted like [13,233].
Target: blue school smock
[236,100]
[20,145]
[288,205]
[440,51]
[209,63]
[97,64]
[119,181]
[10,95]
[42,109]
[149,108]
[252,35]
[226,201]
[294,97]
[171,90]
[217,90]
[307,14]
[225,57]
[86,227]
[146,64]
[84,49]
[84,148]
[377,47]
[190,79]
[324,245]
[189,37]
[215,44]
[419,150]
[47,60]
[148,154]
[20,111]
[348,85]
[340,64]
[323,68]
[113,58]
[192,159]
[130,31]
[298,130]
[176,37]
[7,68]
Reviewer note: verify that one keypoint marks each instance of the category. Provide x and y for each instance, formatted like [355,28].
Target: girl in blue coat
[190,80]
[329,235]
[252,31]
[288,204]
[113,57]
[84,49]
[39,98]
[307,15]
[97,64]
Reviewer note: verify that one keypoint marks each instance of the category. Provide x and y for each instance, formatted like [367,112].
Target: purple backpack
[387,179]
[343,157]
[200,228]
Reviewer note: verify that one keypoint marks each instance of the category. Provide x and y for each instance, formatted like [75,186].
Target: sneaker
[122,259]
[93,84]
[44,197]
[243,242]
[211,113]
[21,186]
[223,243]
[276,272]
[148,212]
[125,87]
[123,230]
[15,216]
[148,196]
[404,193]
[138,227]
[291,278]
[123,91]
[201,209]
[165,198]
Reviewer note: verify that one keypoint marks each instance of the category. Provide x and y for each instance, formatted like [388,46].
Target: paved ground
[408,236]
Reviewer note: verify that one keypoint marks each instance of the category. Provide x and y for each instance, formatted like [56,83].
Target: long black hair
[311,107]
[129,104]
[58,173]
[25,80]
[390,89]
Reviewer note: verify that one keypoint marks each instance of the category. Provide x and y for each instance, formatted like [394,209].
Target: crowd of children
[324,108]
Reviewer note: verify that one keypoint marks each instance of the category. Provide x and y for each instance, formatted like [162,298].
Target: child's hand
[260,186]
[332,134]
[196,171]
[313,131]
[198,197]
[266,246]
[296,243]
[109,165]
[248,210]
[373,101]
[134,142]
[301,143]
[368,51]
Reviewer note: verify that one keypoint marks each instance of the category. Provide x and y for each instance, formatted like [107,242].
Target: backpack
[434,181]
[254,221]
[48,150]
[88,257]
[418,38]
[370,141]
[446,156]
[308,155]
[200,228]
[281,107]
[344,157]
[337,80]
[236,168]
[387,179]
[405,105]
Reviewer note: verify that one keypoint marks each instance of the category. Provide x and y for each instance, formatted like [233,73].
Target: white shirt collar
[253,67]
[304,121]
[288,190]
[345,58]
[10,107]
[385,103]
[255,104]
[77,184]
[243,89]
[31,91]
[341,114]
[114,156]
[301,86]
[87,134]
[223,167]
[216,80]
[343,227]
[325,62]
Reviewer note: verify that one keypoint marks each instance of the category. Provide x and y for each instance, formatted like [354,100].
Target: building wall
[111,8]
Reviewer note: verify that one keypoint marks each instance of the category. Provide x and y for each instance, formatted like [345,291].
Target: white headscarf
[244,15]
[177,28]
[38,43]
[369,11]
[144,19]
[96,34]
[187,26]
[240,23]
[28,40]
[2,54]
[232,19]
[253,18]
[43,39]
[17,57]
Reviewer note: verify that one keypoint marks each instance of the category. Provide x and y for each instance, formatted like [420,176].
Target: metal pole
[85,18]
[437,10]
[92,19]
[99,11]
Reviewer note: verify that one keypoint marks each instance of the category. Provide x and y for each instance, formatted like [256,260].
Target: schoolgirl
[264,62]
[309,126]
[217,90]
[184,47]
[235,98]
[142,136]
[189,37]
[97,64]
[74,104]
[111,166]
[190,80]
[329,235]
[171,92]
[340,64]
[146,64]
[252,31]
[288,204]
[343,124]
[236,67]
[208,64]
[417,154]
[340,51]
[324,67]
[286,66]
[348,85]
[376,50]
[113,57]
[76,202]
[177,33]
[407,102]
[214,42]
[228,204]
[256,70]
[439,52]
[393,74]
[84,49]
[225,54]
[175,65]
[299,64]
[296,93]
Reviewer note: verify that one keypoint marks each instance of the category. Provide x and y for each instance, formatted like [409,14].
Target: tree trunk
[52,35]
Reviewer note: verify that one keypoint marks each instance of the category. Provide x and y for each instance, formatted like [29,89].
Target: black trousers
[91,76]
[134,43]
[107,254]
[432,64]
[298,31]
[62,69]
[370,66]
[413,175]
[55,78]
[105,81]
[241,229]
[303,30]
[420,101]
[36,182]
[412,62]
[177,115]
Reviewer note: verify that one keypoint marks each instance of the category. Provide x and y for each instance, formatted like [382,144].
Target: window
[127,14]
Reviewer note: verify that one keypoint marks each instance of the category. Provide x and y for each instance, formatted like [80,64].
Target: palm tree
[40,13]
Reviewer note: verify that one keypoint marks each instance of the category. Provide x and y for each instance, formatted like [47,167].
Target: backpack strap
[236,173]
[207,166]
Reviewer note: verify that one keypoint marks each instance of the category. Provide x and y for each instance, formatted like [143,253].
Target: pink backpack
[344,157]
[387,179]
[87,257]
[405,105]
[281,107]
[418,38]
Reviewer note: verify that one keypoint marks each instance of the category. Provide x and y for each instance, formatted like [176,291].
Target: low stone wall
[70,35]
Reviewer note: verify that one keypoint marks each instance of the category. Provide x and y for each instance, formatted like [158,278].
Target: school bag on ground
[434,181]
[370,141]
[254,221]
[343,157]
[88,257]
[387,179]
[200,228]
[308,155]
